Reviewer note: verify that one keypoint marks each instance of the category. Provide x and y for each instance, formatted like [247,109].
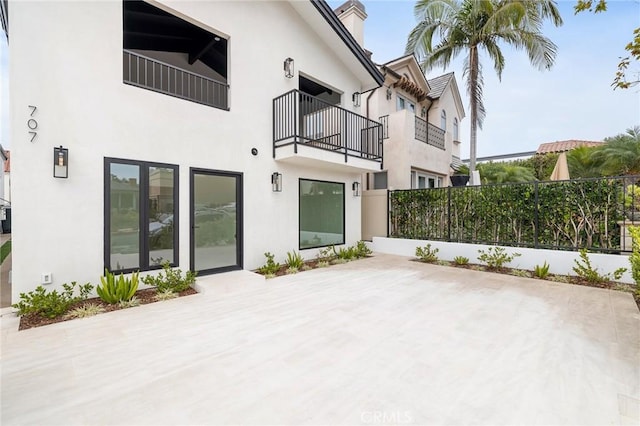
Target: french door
[216,221]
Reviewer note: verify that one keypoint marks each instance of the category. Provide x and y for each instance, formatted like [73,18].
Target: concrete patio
[377,341]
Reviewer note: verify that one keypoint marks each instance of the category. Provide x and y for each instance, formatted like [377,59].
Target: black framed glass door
[216,221]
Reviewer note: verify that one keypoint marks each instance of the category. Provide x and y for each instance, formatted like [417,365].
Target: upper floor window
[443,120]
[167,54]
[455,129]
[403,103]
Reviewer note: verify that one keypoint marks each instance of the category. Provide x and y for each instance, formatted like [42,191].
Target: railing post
[273,127]
[536,219]
[297,99]
[345,126]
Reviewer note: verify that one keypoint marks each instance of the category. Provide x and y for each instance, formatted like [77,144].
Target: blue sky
[572,101]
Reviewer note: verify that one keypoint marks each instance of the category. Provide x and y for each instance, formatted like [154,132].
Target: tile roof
[562,146]
[438,85]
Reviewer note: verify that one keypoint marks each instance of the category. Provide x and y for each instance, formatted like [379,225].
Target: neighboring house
[421,121]
[564,146]
[200,133]
[421,118]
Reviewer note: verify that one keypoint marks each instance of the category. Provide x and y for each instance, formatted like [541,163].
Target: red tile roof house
[563,146]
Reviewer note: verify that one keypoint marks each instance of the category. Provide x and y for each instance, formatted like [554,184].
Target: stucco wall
[70,67]
[560,262]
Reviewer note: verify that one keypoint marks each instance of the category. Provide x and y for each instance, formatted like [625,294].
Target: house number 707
[32,124]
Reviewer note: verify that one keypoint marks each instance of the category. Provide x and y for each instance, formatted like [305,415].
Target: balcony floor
[348,344]
[318,158]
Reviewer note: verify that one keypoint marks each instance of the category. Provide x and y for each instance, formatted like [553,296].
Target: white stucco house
[200,133]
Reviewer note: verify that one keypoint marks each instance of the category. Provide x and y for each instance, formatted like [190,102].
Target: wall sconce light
[356,99]
[389,93]
[356,189]
[288,68]
[423,112]
[60,162]
[276,182]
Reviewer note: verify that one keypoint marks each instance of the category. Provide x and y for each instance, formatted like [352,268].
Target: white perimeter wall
[66,59]
[560,262]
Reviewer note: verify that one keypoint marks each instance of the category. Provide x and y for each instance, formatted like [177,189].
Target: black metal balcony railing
[430,134]
[148,73]
[302,119]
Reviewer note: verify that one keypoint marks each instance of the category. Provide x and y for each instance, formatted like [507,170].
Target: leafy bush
[634,259]
[521,273]
[586,271]
[114,290]
[291,270]
[362,250]
[294,260]
[51,304]
[461,260]
[496,257]
[541,271]
[326,254]
[170,279]
[322,264]
[270,267]
[427,254]
[345,253]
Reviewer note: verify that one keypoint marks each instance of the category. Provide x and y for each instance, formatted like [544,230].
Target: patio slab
[378,341]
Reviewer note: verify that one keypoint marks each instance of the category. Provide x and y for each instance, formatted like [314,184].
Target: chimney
[352,15]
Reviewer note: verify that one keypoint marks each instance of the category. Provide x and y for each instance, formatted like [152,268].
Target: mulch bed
[145,297]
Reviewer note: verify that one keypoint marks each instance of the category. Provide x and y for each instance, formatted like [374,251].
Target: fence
[565,215]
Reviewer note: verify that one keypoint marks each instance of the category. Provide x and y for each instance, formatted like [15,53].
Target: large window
[443,120]
[321,213]
[140,211]
[455,129]
[403,103]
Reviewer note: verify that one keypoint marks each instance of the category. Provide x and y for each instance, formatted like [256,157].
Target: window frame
[143,238]
[417,174]
[406,104]
[443,120]
[344,212]
[456,130]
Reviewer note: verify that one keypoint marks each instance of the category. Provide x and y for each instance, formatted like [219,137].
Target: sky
[574,100]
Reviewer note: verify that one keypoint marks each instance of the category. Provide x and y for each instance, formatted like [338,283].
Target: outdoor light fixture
[389,93]
[356,189]
[356,99]
[423,111]
[276,182]
[288,68]
[60,162]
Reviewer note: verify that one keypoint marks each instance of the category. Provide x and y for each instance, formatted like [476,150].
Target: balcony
[308,130]
[151,74]
[430,134]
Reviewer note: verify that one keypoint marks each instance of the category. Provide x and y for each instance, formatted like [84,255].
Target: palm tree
[621,154]
[447,28]
[585,162]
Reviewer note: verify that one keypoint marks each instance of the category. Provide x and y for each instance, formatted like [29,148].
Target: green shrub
[291,270]
[270,267]
[521,273]
[294,260]
[362,250]
[170,279]
[326,254]
[496,257]
[345,253]
[461,260]
[586,271]
[427,254]
[541,271]
[322,264]
[51,304]
[114,290]
[634,259]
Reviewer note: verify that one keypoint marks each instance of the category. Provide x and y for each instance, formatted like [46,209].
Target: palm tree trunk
[473,95]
